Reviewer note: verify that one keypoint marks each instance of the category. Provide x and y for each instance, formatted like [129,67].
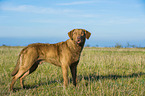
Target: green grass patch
[101,72]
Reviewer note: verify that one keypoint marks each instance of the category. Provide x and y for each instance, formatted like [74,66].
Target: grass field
[101,72]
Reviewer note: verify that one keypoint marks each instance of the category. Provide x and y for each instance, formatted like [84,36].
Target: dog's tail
[17,66]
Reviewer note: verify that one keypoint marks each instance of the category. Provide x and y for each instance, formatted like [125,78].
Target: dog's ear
[88,34]
[70,34]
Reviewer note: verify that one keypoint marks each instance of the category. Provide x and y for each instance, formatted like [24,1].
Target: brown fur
[64,54]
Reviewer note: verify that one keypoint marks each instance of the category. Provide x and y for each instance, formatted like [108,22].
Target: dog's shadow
[91,77]
[33,86]
[94,77]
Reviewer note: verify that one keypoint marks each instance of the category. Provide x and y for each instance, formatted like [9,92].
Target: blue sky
[105,19]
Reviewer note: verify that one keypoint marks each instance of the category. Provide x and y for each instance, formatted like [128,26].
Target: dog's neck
[74,47]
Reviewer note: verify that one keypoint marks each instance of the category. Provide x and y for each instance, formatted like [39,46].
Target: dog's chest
[75,56]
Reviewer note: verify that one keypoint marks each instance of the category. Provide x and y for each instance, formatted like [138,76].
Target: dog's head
[79,36]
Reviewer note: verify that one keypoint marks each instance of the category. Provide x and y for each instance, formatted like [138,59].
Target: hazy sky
[105,19]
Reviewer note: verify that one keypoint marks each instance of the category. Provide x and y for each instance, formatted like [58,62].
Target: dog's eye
[74,33]
[82,33]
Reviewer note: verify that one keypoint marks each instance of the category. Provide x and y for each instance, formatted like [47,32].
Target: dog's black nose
[78,37]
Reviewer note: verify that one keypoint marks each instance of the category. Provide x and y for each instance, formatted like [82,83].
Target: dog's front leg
[73,69]
[65,75]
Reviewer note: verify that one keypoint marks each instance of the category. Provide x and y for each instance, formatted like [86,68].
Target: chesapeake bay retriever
[64,54]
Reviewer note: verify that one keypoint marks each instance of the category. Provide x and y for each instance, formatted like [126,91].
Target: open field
[101,72]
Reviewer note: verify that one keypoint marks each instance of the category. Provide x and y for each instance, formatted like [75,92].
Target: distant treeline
[10,46]
[118,45]
[127,46]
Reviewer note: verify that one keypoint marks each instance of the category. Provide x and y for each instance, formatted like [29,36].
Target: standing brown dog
[64,54]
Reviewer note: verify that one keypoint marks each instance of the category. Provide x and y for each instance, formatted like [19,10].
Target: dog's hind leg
[32,69]
[23,71]
[21,79]
[19,74]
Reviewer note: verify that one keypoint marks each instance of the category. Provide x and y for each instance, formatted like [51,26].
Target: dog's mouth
[79,41]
